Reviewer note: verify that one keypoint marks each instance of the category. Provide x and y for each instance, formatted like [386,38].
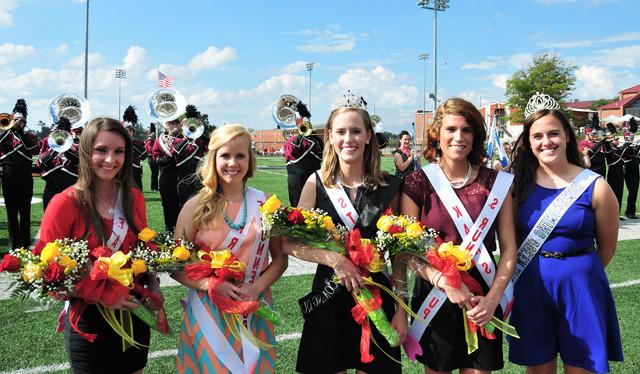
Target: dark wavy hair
[460,107]
[524,163]
[402,133]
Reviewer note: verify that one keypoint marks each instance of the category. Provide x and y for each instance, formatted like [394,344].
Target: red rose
[54,273]
[100,251]
[394,229]
[10,263]
[295,217]
[387,212]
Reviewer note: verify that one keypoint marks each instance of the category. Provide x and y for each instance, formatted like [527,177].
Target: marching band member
[631,173]
[139,149]
[58,166]
[466,203]
[595,152]
[148,145]
[563,302]
[354,192]
[615,172]
[188,153]
[164,158]
[17,147]
[224,215]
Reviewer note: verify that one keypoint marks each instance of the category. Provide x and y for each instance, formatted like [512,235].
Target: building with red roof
[628,103]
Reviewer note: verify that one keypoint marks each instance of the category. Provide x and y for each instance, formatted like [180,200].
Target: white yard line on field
[272,172]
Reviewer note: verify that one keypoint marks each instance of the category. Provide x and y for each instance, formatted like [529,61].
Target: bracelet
[402,293]
[337,262]
[438,280]
[433,277]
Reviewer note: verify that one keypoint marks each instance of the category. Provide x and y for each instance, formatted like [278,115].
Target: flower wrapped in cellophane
[397,234]
[52,272]
[220,266]
[161,253]
[310,226]
[454,262]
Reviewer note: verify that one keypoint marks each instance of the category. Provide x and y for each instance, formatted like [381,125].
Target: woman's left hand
[153,286]
[399,323]
[249,291]
[483,310]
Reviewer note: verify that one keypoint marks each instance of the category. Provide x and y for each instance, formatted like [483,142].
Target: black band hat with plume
[64,124]
[130,117]
[20,107]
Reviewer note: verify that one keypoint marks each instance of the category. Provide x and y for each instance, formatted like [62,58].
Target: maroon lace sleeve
[414,185]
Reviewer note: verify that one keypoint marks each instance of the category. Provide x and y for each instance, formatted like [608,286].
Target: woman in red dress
[87,210]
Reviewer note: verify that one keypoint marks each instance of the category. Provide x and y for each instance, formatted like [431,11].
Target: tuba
[6,121]
[192,128]
[71,106]
[165,104]
[60,141]
[288,118]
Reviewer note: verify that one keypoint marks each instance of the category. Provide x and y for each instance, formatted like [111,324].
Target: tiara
[350,100]
[540,102]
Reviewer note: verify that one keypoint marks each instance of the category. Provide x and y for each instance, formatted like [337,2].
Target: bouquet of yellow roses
[311,226]
[398,234]
[50,272]
[161,253]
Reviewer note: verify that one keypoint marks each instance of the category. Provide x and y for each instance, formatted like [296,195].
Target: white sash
[342,205]
[473,234]
[120,226]
[259,254]
[550,218]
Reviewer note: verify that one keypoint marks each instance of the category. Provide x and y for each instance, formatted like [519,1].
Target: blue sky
[234,58]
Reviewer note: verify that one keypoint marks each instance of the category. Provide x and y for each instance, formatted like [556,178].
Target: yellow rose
[384,223]
[67,262]
[328,223]
[271,205]
[181,253]
[49,252]
[138,266]
[414,230]
[459,254]
[147,234]
[31,272]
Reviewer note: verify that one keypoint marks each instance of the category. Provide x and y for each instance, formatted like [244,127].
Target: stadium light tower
[436,6]
[309,68]
[120,75]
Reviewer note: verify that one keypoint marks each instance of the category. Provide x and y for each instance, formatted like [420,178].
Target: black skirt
[331,338]
[105,354]
[443,345]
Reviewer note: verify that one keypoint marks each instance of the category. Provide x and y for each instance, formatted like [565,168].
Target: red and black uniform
[188,154]
[148,145]
[164,158]
[139,154]
[59,170]
[631,156]
[597,157]
[16,150]
[303,155]
[615,174]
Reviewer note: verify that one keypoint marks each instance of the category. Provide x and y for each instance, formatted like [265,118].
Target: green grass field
[28,339]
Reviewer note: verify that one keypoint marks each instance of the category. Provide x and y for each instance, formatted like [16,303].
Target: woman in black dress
[330,340]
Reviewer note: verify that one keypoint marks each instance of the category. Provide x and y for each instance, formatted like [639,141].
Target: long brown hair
[373,177]
[210,202]
[524,163]
[460,107]
[85,190]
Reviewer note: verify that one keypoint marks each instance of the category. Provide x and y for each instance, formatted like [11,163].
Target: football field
[29,344]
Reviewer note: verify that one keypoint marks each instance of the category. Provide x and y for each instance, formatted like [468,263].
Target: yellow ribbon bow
[219,258]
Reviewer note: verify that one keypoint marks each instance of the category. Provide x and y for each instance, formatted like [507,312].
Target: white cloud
[583,43]
[135,58]
[6,6]
[212,58]
[628,57]
[520,60]
[11,52]
[78,62]
[490,62]
[591,2]
[295,67]
[499,80]
[516,61]
[329,40]
[594,82]
[61,49]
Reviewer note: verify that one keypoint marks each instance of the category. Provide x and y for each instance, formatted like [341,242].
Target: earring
[367,142]
[437,145]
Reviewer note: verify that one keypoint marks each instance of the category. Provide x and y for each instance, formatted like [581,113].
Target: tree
[600,102]
[547,74]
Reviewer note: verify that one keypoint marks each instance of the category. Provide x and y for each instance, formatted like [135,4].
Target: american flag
[165,81]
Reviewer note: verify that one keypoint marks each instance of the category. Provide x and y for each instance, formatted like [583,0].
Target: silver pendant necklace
[459,184]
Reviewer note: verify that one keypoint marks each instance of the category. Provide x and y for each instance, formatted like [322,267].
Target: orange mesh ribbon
[360,314]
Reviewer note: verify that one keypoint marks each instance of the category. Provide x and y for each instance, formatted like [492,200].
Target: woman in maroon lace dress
[456,148]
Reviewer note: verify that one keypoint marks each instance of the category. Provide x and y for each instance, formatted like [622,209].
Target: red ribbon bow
[360,314]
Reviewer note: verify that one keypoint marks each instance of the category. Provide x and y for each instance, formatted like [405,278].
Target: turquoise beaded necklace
[240,225]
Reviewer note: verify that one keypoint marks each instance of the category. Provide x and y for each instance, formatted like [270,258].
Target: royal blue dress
[564,305]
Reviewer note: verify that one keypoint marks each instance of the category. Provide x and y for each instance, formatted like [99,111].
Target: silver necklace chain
[460,184]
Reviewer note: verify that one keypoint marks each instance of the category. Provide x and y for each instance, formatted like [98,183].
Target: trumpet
[192,128]
[60,141]
[6,121]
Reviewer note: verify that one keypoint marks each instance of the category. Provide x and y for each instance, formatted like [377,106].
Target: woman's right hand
[125,303]
[229,290]
[461,296]
[348,274]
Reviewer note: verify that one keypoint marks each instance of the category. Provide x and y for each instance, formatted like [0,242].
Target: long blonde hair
[210,202]
[373,177]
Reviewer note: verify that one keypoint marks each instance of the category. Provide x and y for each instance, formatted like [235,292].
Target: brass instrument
[192,128]
[304,127]
[165,105]
[6,121]
[73,107]
[60,140]
[288,118]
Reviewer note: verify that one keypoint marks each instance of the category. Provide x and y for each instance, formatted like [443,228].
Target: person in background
[153,166]
[497,164]
[188,153]
[130,119]
[404,158]
[17,148]
[164,157]
[615,164]
[631,171]
[594,152]
[563,301]
[58,169]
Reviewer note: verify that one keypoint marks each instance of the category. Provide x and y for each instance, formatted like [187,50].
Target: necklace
[110,209]
[244,215]
[342,184]
[459,184]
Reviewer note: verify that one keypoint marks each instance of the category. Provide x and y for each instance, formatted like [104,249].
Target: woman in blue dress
[563,303]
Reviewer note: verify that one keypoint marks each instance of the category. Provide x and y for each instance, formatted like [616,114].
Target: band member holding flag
[353,191]
[466,203]
[224,217]
[568,221]
[404,158]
